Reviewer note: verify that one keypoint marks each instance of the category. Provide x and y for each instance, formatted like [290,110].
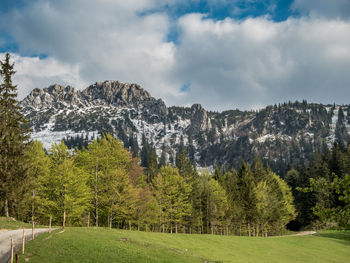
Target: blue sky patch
[185,87]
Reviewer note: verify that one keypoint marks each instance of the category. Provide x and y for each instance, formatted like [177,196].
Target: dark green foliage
[321,189]
[13,139]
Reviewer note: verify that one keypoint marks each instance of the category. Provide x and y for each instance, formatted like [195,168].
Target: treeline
[102,184]
[322,190]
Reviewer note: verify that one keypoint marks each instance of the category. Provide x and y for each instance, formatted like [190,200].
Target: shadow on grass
[342,237]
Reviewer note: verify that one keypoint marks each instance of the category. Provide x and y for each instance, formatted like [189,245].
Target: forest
[103,184]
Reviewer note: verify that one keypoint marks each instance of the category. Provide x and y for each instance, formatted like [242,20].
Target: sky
[219,53]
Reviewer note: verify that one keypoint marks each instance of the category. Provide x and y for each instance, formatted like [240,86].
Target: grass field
[9,223]
[105,245]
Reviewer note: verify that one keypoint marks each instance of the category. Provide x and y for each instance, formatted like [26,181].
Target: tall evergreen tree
[13,138]
[152,168]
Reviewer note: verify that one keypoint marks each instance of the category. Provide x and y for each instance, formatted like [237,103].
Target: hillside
[279,134]
[110,245]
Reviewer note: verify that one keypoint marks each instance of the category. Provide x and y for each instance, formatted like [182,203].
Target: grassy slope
[104,245]
[9,223]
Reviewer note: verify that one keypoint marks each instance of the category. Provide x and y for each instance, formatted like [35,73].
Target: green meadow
[112,245]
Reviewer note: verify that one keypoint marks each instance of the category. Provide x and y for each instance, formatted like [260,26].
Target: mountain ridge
[279,134]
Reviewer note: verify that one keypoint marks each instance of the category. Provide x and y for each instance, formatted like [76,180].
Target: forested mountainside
[282,134]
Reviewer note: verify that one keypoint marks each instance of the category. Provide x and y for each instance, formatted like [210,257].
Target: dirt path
[5,241]
[305,233]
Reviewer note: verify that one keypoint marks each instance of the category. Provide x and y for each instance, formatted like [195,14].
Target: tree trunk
[6,208]
[249,229]
[146,227]
[176,228]
[96,197]
[88,220]
[33,229]
[64,219]
[33,196]
[257,230]
[163,228]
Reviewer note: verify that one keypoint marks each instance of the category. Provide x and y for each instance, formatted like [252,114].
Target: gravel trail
[5,241]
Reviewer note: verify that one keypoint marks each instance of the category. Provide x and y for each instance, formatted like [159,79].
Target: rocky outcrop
[99,94]
[199,120]
[115,93]
[54,96]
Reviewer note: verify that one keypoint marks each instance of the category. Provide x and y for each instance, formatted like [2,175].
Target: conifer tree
[13,138]
[248,197]
[152,168]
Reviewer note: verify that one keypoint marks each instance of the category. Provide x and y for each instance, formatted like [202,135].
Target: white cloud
[108,39]
[33,72]
[226,64]
[325,8]
[257,61]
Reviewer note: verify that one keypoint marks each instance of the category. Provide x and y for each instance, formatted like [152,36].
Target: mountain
[279,134]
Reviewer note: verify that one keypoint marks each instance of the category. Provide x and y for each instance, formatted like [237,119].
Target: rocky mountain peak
[52,96]
[99,94]
[116,93]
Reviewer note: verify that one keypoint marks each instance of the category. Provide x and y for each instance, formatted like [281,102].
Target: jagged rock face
[52,96]
[281,134]
[115,93]
[99,94]
[199,120]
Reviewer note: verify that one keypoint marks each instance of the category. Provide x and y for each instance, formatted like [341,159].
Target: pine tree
[152,168]
[248,197]
[13,138]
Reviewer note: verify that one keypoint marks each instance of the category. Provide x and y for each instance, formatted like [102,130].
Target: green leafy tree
[332,212]
[38,167]
[118,196]
[65,193]
[104,160]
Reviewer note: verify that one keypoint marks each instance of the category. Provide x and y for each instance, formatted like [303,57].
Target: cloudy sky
[223,54]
